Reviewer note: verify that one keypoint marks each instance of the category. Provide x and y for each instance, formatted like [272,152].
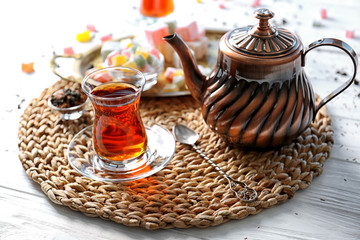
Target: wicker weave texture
[188,192]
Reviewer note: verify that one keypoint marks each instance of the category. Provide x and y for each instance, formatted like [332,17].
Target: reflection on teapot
[258,95]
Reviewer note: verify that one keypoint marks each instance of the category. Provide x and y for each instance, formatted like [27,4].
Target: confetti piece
[323,13]
[256,3]
[106,38]
[27,67]
[83,36]
[350,34]
[69,51]
[198,1]
[317,23]
[222,6]
[91,28]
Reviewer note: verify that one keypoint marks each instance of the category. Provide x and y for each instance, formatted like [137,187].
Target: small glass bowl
[70,113]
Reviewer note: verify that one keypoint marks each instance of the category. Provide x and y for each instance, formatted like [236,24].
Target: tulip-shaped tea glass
[118,145]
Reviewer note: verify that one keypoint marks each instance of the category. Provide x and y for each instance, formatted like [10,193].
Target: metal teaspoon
[185,135]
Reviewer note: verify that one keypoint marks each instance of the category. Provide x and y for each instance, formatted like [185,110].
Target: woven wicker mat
[188,191]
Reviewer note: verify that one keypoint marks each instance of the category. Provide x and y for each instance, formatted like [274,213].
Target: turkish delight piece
[168,51]
[155,52]
[118,60]
[188,32]
[111,55]
[108,47]
[131,64]
[179,81]
[169,73]
[199,47]
[154,34]
[202,32]
[103,77]
[140,61]
[171,25]
[170,88]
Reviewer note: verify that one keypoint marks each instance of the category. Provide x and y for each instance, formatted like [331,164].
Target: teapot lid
[263,39]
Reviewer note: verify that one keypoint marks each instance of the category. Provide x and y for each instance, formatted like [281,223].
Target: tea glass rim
[139,90]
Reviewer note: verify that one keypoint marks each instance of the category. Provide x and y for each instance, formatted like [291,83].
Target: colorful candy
[155,34]
[256,3]
[105,38]
[350,34]
[172,80]
[155,52]
[83,36]
[188,32]
[199,47]
[111,55]
[103,77]
[140,61]
[91,28]
[141,51]
[169,73]
[27,67]
[131,64]
[118,60]
[135,56]
[69,51]
[323,13]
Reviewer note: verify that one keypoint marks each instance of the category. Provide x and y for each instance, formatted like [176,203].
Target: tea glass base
[83,158]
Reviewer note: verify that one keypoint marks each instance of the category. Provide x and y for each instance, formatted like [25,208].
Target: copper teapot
[258,95]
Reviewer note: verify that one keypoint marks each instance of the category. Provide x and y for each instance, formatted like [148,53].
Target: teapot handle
[346,48]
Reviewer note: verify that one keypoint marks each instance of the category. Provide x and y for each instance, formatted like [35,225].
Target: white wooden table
[32,30]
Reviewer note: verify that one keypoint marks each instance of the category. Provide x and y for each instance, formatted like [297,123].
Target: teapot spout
[194,79]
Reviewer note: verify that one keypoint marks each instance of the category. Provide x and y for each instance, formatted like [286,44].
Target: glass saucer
[82,157]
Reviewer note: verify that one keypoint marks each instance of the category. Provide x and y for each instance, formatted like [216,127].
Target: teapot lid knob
[264,15]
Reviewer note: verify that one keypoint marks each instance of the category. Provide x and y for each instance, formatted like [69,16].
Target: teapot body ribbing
[264,112]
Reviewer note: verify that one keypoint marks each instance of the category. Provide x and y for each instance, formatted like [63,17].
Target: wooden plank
[332,196]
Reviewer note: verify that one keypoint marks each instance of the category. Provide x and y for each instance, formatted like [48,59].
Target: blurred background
[33,30]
